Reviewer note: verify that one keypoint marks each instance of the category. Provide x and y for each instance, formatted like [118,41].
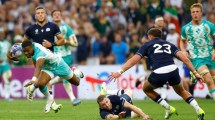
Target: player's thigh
[63,70]
[204,71]
[68,60]
[147,86]
[44,77]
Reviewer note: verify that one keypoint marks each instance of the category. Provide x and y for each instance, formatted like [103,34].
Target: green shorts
[198,62]
[68,59]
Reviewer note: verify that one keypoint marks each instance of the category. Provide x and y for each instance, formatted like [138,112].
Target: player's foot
[201,114]
[8,99]
[170,112]
[48,105]
[103,90]
[193,78]
[56,107]
[77,71]
[76,102]
[30,94]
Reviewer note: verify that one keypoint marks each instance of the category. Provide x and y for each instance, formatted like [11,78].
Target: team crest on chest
[47,29]
[36,31]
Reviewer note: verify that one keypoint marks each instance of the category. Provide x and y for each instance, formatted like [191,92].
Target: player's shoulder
[51,24]
[207,22]
[186,25]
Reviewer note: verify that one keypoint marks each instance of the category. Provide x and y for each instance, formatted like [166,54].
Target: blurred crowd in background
[101,24]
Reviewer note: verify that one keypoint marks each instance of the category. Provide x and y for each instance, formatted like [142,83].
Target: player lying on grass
[161,54]
[47,65]
[118,104]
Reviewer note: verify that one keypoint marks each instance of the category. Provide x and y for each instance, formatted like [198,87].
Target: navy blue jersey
[117,105]
[37,34]
[159,52]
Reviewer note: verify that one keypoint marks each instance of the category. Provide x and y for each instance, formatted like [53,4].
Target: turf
[21,109]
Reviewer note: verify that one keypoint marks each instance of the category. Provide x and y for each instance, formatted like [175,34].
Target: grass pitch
[21,109]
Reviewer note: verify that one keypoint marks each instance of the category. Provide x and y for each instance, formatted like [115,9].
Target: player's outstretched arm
[11,57]
[137,110]
[187,62]
[131,62]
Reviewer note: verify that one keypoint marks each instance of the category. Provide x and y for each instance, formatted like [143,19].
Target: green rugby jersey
[67,32]
[199,37]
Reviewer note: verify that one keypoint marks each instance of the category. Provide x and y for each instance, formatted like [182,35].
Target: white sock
[47,93]
[164,104]
[195,105]
[115,92]
[69,90]
[7,90]
[212,92]
[54,80]
[213,95]
[32,88]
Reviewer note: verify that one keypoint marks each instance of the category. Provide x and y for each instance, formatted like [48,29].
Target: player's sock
[46,92]
[32,88]
[193,103]
[6,76]
[212,92]
[55,80]
[69,90]
[7,90]
[162,102]
[115,92]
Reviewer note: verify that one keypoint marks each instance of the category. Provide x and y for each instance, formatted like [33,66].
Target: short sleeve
[183,33]
[174,49]
[142,50]
[28,33]
[104,113]
[212,27]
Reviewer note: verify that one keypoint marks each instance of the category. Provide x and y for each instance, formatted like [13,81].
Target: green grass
[88,110]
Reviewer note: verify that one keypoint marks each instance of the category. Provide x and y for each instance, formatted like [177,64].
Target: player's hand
[29,83]
[114,76]
[11,57]
[122,114]
[145,117]
[199,77]
[47,44]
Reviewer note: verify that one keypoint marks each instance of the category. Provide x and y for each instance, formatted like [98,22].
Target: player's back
[159,52]
[51,59]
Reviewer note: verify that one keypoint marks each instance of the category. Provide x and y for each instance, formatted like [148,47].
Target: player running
[47,65]
[199,35]
[160,54]
[65,52]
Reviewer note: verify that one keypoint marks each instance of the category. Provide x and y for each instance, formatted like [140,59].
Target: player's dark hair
[100,98]
[157,33]
[56,10]
[26,43]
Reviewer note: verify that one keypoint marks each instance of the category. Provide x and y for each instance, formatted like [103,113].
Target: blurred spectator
[120,49]
[83,47]
[105,55]
[155,9]
[173,37]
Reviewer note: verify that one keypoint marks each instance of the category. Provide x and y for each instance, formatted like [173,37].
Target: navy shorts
[128,99]
[158,80]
